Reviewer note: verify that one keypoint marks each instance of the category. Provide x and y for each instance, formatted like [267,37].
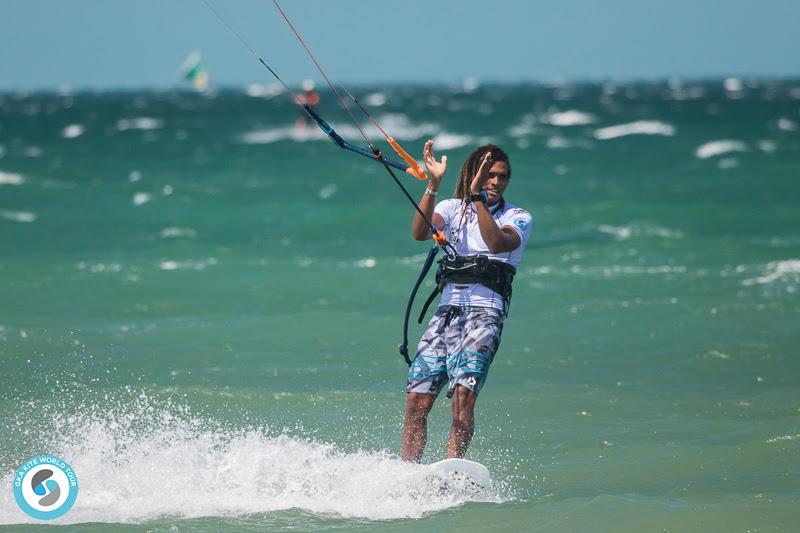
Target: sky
[101,44]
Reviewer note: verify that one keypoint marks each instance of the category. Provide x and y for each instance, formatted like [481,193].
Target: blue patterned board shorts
[458,345]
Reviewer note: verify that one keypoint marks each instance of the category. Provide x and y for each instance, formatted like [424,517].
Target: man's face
[497,182]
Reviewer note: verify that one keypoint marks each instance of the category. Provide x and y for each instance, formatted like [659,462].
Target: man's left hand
[482,175]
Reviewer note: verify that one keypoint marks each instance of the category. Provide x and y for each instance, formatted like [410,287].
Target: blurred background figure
[309,96]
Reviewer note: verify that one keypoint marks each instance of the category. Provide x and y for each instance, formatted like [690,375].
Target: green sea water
[200,307]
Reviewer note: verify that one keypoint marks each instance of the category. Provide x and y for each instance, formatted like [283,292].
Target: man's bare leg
[415,425]
[463,422]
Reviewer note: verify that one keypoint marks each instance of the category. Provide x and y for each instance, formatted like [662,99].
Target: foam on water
[139,459]
[139,123]
[786,124]
[732,84]
[451,141]
[783,438]
[777,270]
[95,268]
[72,131]
[639,127]
[17,216]
[768,146]
[524,128]
[714,148]
[470,84]
[626,270]
[175,232]
[32,151]
[568,118]
[401,127]
[11,178]
[141,198]
[376,99]
[728,163]
[327,191]
[188,265]
[639,229]
[367,262]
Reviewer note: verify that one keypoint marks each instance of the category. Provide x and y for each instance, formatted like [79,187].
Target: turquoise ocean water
[200,308]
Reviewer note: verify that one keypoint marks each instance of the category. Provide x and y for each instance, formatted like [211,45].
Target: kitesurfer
[309,97]
[461,339]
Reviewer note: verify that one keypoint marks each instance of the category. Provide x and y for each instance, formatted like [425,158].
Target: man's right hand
[436,169]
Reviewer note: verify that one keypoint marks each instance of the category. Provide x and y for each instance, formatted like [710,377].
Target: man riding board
[462,338]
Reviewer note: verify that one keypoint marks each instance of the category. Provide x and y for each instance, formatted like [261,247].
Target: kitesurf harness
[491,273]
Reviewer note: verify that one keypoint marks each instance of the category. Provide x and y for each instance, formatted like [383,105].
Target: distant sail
[194,71]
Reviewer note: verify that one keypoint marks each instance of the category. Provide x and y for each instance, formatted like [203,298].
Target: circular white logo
[45,487]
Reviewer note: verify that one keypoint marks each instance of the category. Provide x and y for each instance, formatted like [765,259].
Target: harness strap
[426,266]
[427,304]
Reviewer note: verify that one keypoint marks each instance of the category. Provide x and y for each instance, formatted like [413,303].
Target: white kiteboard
[462,474]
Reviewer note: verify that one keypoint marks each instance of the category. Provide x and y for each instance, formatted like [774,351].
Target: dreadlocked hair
[473,163]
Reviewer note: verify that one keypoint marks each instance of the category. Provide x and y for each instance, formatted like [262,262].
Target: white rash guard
[461,229]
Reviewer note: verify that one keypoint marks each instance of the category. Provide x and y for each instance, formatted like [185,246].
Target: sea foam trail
[154,459]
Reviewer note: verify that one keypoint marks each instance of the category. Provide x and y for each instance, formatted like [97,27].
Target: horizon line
[471,82]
